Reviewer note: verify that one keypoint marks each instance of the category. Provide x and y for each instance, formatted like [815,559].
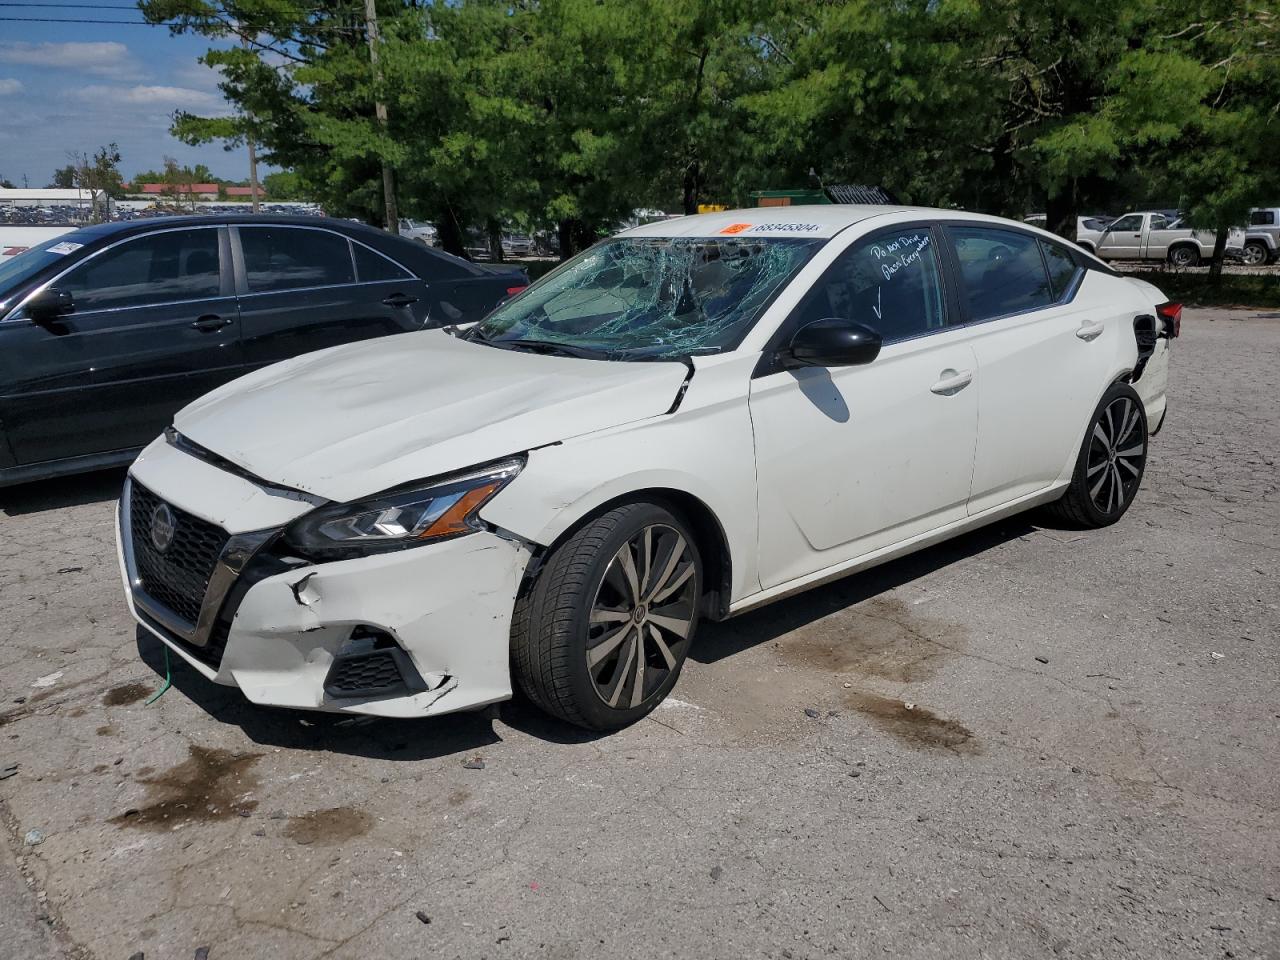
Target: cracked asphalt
[1024,743]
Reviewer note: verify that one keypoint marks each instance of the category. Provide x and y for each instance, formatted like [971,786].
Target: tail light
[1171,314]
[512,291]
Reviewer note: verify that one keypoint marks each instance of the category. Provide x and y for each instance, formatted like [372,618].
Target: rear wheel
[1111,462]
[1184,256]
[600,636]
[1255,254]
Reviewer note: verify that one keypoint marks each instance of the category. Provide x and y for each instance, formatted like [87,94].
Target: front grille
[178,577]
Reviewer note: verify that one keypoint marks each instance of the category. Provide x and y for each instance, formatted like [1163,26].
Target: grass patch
[1230,290]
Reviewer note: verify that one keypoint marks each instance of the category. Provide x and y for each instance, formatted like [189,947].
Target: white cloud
[103,59]
[153,98]
[8,85]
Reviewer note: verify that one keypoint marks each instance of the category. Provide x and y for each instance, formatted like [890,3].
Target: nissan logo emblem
[163,526]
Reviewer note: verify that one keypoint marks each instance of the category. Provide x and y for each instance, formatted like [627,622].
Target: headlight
[401,518]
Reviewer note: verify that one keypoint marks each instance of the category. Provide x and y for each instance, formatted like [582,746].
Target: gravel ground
[1024,743]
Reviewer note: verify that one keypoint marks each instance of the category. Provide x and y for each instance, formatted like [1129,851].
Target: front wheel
[1111,462]
[599,637]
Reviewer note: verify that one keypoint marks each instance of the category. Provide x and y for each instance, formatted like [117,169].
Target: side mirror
[49,304]
[831,343]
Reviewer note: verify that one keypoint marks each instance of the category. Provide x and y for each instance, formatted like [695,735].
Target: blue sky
[66,87]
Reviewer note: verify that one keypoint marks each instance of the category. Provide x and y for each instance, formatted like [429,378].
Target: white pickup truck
[1154,235]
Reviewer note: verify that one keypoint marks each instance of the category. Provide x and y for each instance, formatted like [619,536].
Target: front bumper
[443,612]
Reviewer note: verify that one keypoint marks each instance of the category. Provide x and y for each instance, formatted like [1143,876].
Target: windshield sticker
[900,253]
[736,228]
[66,246]
[12,251]
[786,228]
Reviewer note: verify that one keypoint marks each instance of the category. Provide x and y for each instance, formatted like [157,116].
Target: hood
[356,419]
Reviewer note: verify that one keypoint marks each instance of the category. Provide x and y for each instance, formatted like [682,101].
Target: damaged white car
[690,419]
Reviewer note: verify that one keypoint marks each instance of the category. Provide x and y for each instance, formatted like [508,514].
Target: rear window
[372,267]
[1062,269]
[1262,218]
[292,258]
[1003,271]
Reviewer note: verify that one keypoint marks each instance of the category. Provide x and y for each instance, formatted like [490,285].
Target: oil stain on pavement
[209,785]
[913,724]
[331,826]
[126,694]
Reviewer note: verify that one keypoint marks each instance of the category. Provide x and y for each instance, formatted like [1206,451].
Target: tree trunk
[449,232]
[494,229]
[574,237]
[691,178]
[1062,212]
[1219,249]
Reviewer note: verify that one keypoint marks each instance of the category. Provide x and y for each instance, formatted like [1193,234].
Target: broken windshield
[651,297]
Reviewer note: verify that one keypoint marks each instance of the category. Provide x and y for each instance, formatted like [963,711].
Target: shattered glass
[646,298]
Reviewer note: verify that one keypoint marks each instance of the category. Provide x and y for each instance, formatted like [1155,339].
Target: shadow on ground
[60,492]
[463,733]
[715,641]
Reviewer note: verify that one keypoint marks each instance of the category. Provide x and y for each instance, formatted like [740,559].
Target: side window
[890,283]
[1002,270]
[372,266]
[1262,218]
[289,258]
[161,268]
[1159,221]
[1129,224]
[1062,269]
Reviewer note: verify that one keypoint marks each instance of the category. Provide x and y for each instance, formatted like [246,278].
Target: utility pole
[253,171]
[380,109]
[253,149]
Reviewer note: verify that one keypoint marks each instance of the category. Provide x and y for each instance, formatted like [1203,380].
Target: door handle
[399,300]
[210,322]
[952,381]
[1090,330]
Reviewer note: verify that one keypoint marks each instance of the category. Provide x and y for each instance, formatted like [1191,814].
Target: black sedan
[107,331]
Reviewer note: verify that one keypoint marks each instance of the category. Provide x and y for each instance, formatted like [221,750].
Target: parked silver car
[1155,235]
[1262,238]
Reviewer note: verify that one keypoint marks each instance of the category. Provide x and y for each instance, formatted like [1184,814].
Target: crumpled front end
[412,633]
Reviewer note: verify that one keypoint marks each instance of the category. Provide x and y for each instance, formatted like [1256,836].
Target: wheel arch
[1184,244]
[709,536]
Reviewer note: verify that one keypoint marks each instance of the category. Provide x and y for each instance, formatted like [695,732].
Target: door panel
[110,375]
[1035,343]
[109,380]
[300,291]
[1123,240]
[851,460]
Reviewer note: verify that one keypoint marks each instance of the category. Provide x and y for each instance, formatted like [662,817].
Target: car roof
[427,262]
[817,221]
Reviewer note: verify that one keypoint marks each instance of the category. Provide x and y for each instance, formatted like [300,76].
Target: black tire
[1103,485]
[1184,256]
[583,604]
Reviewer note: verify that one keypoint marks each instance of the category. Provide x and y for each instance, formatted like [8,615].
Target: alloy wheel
[1117,450]
[642,616]
[1255,255]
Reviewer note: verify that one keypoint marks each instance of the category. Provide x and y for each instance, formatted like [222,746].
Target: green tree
[64,178]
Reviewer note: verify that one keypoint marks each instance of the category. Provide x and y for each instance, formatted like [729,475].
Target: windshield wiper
[549,346]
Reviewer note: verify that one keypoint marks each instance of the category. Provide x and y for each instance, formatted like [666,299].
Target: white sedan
[688,420]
